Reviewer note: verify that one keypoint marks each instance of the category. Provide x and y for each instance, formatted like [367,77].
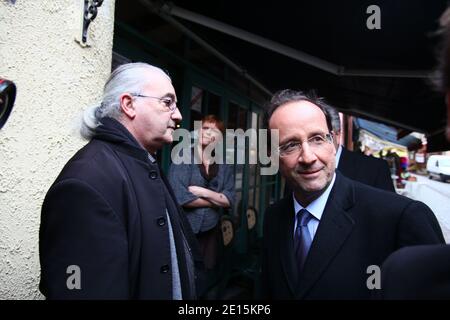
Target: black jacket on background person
[360,227]
[417,272]
[106,214]
[368,170]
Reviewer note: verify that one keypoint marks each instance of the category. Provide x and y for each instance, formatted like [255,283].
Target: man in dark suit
[368,170]
[423,272]
[110,225]
[320,243]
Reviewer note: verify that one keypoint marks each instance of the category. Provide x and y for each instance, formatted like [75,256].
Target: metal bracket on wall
[89,14]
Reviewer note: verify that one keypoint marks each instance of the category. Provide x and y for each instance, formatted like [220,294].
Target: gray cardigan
[182,176]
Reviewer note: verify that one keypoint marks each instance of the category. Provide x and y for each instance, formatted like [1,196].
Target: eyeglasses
[316,143]
[168,101]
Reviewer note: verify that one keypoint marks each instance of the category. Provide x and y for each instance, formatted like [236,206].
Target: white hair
[130,77]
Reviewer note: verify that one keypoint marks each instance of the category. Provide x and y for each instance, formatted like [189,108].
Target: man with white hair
[110,225]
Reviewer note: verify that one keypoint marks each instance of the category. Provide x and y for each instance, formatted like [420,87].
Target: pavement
[436,195]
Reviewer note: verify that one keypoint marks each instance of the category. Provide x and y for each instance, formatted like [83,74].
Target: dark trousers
[208,245]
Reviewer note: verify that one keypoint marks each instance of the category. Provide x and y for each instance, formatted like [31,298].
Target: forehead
[301,117]
[158,82]
[209,124]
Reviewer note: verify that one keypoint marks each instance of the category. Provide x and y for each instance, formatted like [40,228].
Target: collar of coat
[112,131]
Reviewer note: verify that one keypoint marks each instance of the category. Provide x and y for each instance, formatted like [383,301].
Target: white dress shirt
[315,208]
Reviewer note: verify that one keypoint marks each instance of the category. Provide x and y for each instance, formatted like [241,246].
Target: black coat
[360,227]
[106,213]
[368,170]
[418,272]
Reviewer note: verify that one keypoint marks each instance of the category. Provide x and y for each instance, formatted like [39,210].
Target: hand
[198,191]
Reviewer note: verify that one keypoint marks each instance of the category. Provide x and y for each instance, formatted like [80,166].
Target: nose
[307,156]
[176,115]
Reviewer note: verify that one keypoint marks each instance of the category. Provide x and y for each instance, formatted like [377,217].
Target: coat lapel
[334,228]
[287,237]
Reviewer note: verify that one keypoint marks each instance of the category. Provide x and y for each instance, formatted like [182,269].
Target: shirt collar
[317,206]
[338,155]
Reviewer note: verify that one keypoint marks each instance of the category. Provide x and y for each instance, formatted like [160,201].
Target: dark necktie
[302,237]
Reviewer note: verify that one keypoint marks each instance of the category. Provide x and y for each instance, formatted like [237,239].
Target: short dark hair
[441,76]
[335,119]
[287,95]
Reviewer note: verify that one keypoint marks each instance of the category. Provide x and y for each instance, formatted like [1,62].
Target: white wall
[56,78]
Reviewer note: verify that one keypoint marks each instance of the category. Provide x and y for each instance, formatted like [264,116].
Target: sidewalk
[437,197]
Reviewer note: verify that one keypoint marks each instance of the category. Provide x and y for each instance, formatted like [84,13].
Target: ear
[127,106]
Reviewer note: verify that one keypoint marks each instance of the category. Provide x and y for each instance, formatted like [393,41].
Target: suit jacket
[106,214]
[368,170]
[418,272]
[360,227]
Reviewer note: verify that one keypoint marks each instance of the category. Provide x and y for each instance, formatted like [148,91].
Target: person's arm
[418,225]
[83,246]
[215,198]
[198,203]
[225,198]
[179,178]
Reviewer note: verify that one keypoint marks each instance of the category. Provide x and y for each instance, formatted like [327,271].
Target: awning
[380,74]
[387,133]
